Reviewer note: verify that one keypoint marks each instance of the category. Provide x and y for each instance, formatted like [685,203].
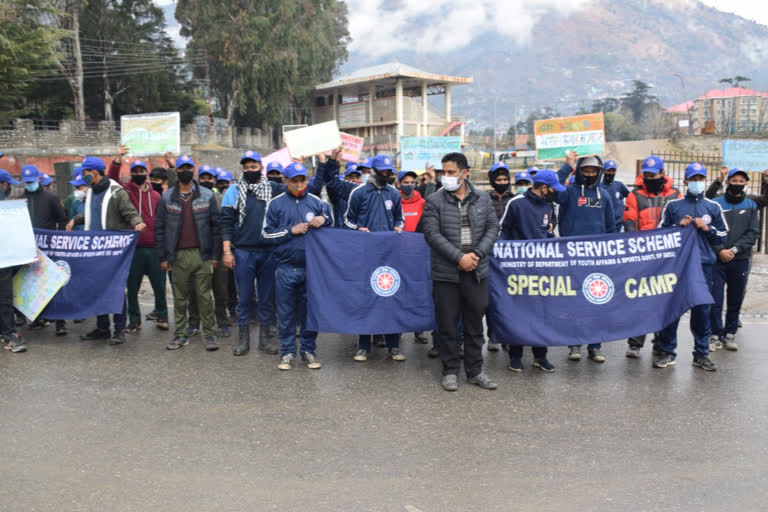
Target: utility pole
[494,127]
[208,87]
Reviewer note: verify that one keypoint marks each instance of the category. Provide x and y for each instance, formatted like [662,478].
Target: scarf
[261,191]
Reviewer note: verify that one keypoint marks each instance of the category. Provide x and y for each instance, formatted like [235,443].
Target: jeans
[291,301]
[733,275]
[516,352]
[259,265]
[118,321]
[700,326]
[146,262]
[468,299]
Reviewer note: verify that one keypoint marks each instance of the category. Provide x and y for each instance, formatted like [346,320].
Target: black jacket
[205,209]
[441,224]
[45,209]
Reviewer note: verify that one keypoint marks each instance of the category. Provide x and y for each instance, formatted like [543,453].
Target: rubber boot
[244,343]
[267,343]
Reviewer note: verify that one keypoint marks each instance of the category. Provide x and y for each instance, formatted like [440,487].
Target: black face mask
[590,180]
[654,186]
[158,187]
[500,188]
[252,176]
[185,176]
[550,196]
[139,179]
[381,179]
[275,179]
[608,178]
[207,184]
[735,192]
[407,189]
[222,188]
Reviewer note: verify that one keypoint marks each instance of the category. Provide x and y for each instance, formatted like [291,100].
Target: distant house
[733,110]
[386,102]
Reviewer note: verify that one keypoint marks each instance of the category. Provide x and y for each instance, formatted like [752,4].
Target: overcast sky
[379,27]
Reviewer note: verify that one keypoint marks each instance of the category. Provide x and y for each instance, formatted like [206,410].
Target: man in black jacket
[460,226]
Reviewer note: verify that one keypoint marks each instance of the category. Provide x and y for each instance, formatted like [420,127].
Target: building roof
[731,92]
[385,75]
[681,108]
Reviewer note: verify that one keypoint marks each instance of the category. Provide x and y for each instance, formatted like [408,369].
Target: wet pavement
[92,427]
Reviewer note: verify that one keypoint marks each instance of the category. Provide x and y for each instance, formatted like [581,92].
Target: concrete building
[733,110]
[386,102]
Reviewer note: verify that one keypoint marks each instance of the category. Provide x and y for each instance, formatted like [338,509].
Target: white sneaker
[286,362]
[310,360]
[361,355]
[730,342]
[715,344]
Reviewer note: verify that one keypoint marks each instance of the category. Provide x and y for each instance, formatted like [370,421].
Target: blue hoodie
[526,217]
[378,209]
[699,207]
[586,210]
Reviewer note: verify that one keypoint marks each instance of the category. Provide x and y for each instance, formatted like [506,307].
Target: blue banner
[592,289]
[98,263]
[368,283]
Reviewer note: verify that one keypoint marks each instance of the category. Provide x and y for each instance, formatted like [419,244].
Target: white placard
[314,139]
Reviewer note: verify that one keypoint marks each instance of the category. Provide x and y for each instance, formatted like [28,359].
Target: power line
[99,67]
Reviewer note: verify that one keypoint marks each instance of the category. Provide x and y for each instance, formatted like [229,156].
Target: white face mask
[364,178]
[451,183]
[80,194]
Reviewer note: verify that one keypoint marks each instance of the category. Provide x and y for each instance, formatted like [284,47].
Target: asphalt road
[92,427]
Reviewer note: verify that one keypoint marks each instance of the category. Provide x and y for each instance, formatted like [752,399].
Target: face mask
[222,188]
[380,179]
[364,178]
[550,196]
[500,188]
[696,187]
[31,187]
[407,190]
[608,178]
[391,180]
[451,183]
[139,179]
[252,176]
[79,195]
[158,187]
[734,190]
[297,192]
[207,184]
[521,190]
[275,179]
[654,186]
[87,178]
[590,180]
[185,176]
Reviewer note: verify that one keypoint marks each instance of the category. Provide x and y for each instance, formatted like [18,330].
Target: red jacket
[642,211]
[145,201]
[412,210]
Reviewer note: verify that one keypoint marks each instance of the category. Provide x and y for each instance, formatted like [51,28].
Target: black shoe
[152,316]
[61,329]
[379,340]
[544,365]
[117,339]
[38,324]
[433,353]
[705,363]
[96,334]
[419,337]
[664,360]
[244,341]
[267,344]
[132,327]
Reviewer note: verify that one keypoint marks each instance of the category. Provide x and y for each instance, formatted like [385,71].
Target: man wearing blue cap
[275,172]
[146,259]
[376,206]
[617,190]
[339,189]
[188,238]
[77,206]
[732,266]
[108,207]
[6,181]
[289,217]
[527,217]
[242,218]
[223,180]
[707,217]
[586,208]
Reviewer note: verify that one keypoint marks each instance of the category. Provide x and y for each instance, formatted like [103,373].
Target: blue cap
[523,176]
[139,163]
[78,181]
[223,174]
[351,166]
[533,170]
[250,155]
[184,160]
[45,180]
[6,177]
[653,164]
[498,165]
[737,170]
[382,163]
[275,166]
[695,169]
[29,174]
[294,169]
[206,169]
[403,174]
[548,178]
[93,163]
[611,164]
[365,164]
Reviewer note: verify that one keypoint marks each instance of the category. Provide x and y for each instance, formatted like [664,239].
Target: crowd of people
[234,250]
